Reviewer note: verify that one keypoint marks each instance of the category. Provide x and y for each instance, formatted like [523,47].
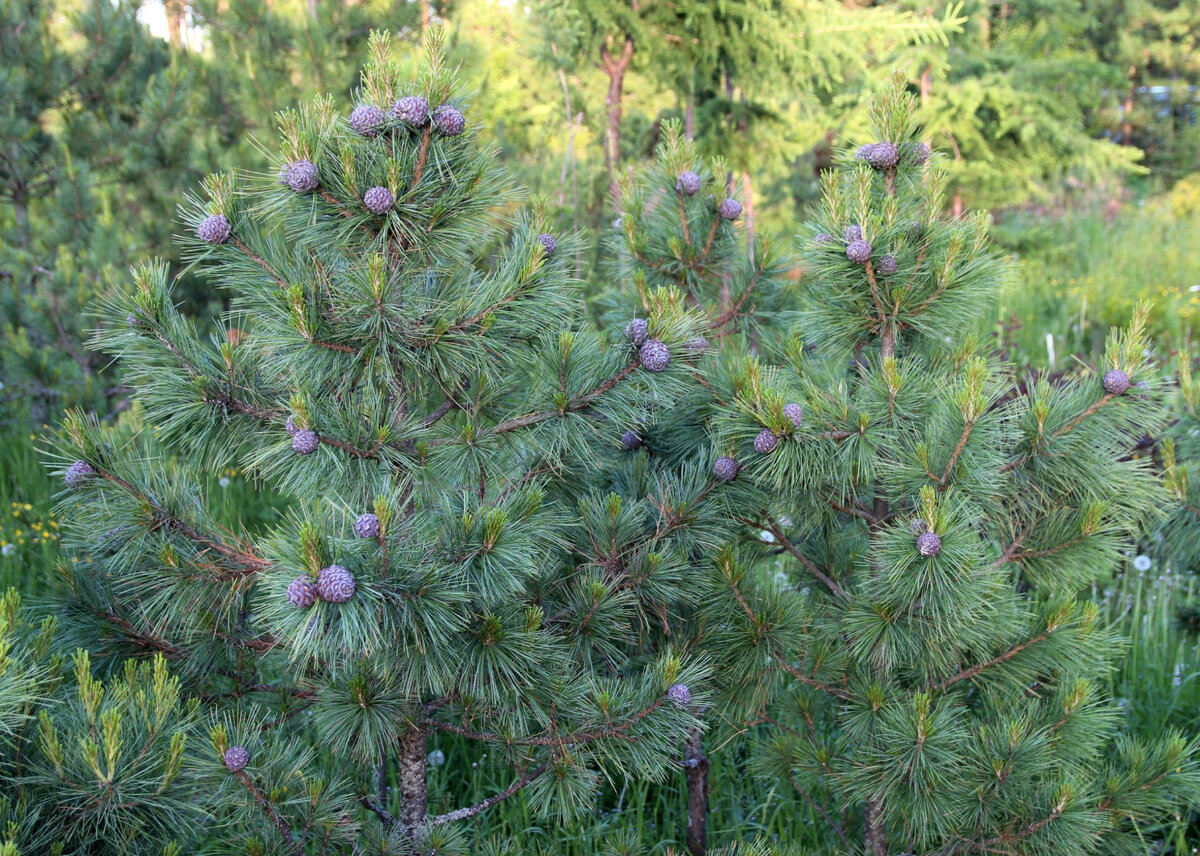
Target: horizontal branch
[480,807]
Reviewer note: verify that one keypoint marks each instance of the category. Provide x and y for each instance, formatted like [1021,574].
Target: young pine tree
[928,672]
[411,370]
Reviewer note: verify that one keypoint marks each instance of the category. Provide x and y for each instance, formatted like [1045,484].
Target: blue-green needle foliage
[438,355]
[902,605]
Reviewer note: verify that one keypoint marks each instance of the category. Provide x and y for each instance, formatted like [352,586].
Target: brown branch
[967,674]
[268,808]
[816,805]
[831,584]
[480,807]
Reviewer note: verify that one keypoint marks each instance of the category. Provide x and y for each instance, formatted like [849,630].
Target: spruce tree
[920,654]
[404,358]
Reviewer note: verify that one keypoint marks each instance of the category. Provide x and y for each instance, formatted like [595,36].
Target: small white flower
[1142,563]
[1194,288]
[223,481]
[436,758]
[8,549]
[767,536]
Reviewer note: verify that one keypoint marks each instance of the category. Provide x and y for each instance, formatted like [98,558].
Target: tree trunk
[411,775]
[689,118]
[615,68]
[174,10]
[312,9]
[748,206]
[426,16]
[697,786]
[876,833]
[926,84]
[1127,125]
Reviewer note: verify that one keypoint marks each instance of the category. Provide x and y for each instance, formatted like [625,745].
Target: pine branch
[978,668]
[268,808]
[479,808]
[829,820]
[557,740]
[831,584]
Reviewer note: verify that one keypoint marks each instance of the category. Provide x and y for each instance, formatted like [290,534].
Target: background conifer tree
[929,676]
[413,372]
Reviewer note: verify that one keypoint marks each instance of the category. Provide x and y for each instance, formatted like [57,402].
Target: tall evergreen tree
[421,404]
[919,694]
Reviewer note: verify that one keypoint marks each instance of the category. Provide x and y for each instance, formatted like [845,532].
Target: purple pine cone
[379,200]
[449,120]
[794,414]
[679,695]
[1115,382]
[236,758]
[305,442]
[290,425]
[367,120]
[78,473]
[730,209]
[367,525]
[699,343]
[766,441]
[858,252]
[688,183]
[214,229]
[548,243]
[886,265]
[630,440]
[413,110]
[303,177]
[821,238]
[918,153]
[636,330]
[929,544]
[883,156]
[302,592]
[335,584]
[852,233]
[725,469]
[654,356]
[863,153]
[918,526]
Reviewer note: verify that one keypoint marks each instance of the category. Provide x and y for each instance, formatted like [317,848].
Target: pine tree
[922,657]
[1177,539]
[417,377]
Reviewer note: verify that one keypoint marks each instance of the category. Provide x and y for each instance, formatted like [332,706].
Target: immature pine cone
[367,120]
[688,183]
[858,252]
[413,110]
[929,544]
[766,441]
[236,758]
[698,343]
[794,413]
[918,153]
[379,200]
[367,525]
[305,442]
[679,695]
[821,238]
[303,177]
[863,153]
[852,232]
[548,243]
[730,209]
[883,156]
[654,356]
[301,592]
[78,473]
[636,330]
[290,425]
[725,469]
[214,229]
[1115,382]
[335,584]
[630,440]
[886,265]
[449,120]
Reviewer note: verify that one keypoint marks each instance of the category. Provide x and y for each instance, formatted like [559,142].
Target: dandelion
[767,537]
[436,758]
[8,549]
[223,481]
[1142,563]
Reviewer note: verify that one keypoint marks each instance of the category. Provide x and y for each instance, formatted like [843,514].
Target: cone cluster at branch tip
[725,469]
[879,155]
[688,183]
[852,232]
[765,442]
[214,229]
[367,120]
[335,584]
[886,265]
[548,242]
[822,238]
[302,592]
[794,413]
[636,330]
[236,758]
[730,209]
[78,473]
[679,695]
[290,425]
[305,442]
[449,121]
[654,356]
[918,153]
[413,110]
[697,343]
[379,200]
[367,525]
[631,440]
[303,176]
[929,544]
[1115,382]
[858,252]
